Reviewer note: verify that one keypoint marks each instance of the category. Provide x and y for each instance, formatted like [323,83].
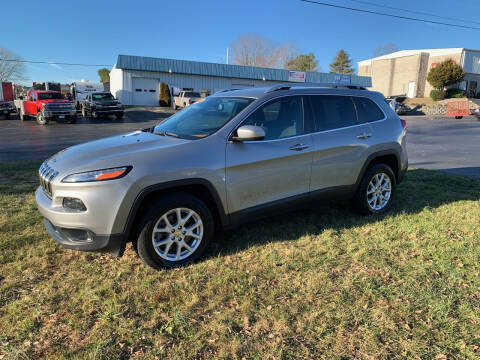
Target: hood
[109,152]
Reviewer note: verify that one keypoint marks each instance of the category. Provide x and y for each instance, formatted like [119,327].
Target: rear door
[276,168]
[340,142]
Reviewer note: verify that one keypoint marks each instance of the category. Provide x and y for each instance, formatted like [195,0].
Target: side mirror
[249,133]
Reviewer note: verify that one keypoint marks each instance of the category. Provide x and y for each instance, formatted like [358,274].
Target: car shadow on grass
[421,189]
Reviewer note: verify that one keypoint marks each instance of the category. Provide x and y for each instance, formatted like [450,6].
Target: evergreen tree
[342,64]
[444,74]
[303,62]
[104,75]
[165,97]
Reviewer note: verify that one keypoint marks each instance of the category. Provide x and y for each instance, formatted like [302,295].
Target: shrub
[444,74]
[437,95]
[455,93]
[165,98]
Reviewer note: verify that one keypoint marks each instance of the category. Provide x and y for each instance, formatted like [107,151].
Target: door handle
[299,147]
[364,136]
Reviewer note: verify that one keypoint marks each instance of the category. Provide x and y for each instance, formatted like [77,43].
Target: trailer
[7,106]
[80,90]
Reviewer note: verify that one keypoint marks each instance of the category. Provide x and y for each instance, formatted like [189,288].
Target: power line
[52,63]
[390,15]
[414,11]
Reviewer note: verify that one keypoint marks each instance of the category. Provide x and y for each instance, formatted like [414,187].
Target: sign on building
[296,76]
[342,79]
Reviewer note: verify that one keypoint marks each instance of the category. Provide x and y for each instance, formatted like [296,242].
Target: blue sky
[97,31]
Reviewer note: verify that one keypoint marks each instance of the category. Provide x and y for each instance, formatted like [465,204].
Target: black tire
[41,120]
[119,116]
[72,120]
[144,243]
[7,116]
[360,200]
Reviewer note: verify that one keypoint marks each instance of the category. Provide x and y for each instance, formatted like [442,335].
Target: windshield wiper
[169,133]
[166,133]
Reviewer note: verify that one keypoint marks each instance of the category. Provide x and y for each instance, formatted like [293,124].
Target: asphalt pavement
[443,143]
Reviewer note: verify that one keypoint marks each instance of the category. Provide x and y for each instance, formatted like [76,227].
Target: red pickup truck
[46,106]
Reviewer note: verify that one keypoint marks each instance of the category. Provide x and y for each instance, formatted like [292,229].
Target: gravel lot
[440,144]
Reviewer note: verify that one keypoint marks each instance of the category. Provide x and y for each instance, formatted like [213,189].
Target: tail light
[404,123]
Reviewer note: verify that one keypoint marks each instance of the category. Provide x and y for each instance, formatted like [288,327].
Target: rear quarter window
[367,110]
[333,112]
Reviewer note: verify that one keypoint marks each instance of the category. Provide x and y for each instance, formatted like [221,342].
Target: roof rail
[227,90]
[288,86]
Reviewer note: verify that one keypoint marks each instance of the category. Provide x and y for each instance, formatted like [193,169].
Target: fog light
[73,204]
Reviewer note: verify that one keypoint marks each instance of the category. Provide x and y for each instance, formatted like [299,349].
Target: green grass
[323,284]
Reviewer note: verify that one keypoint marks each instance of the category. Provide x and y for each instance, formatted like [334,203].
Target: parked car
[7,106]
[400,107]
[234,157]
[101,104]
[186,98]
[46,106]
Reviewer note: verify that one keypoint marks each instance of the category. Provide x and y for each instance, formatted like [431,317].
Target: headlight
[98,175]
[12,106]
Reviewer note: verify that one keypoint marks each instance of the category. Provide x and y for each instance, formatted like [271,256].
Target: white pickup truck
[186,98]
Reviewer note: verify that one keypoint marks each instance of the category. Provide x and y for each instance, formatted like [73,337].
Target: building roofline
[141,63]
[404,53]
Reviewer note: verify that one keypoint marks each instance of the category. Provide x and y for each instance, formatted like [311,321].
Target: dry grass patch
[323,283]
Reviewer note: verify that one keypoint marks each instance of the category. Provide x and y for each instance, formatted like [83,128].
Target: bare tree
[385,50]
[11,67]
[256,50]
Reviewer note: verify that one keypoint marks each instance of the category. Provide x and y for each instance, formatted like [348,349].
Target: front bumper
[85,240]
[90,230]
[108,111]
[60,115]
[7,111]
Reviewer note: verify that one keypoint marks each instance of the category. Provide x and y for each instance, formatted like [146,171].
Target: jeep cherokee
[237,156]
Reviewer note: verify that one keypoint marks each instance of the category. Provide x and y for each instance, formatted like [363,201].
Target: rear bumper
[85,240]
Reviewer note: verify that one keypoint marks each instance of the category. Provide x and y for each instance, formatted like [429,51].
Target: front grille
[4,106]
[54,107]
[46,175]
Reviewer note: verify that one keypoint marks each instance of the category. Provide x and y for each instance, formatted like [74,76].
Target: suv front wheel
[375,193]
[175,231]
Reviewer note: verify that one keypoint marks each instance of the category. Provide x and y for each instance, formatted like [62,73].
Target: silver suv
[236,156]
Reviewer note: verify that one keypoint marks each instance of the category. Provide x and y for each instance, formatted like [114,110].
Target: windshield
[100,97]
[191,94]
[50,96]
[202,119]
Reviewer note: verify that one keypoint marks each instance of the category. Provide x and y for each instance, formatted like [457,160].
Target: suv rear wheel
[375,193]
[175,231]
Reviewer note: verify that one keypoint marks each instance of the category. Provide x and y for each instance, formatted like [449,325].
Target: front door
[276,168]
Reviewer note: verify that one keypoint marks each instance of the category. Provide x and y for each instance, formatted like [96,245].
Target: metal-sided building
[135,80]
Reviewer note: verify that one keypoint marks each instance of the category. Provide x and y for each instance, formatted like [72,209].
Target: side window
[280,118]
[367,110]
[333,112]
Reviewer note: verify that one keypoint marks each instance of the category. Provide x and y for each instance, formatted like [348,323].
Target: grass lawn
[323,284]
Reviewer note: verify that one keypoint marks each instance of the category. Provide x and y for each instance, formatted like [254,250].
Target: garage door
[145,92]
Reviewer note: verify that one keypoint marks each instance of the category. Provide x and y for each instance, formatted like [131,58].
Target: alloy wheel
[379,191]
[177,234]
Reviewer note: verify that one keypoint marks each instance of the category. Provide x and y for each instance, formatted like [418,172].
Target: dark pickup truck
[99,104]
